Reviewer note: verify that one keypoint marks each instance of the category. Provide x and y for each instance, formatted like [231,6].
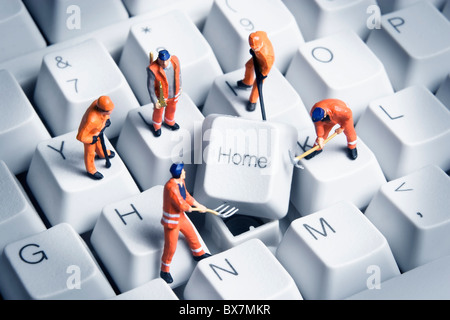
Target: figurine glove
[108,123]
[94,139]
[320,141]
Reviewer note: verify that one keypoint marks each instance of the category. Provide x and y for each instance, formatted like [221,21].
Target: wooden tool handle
[207,210]
[315,148]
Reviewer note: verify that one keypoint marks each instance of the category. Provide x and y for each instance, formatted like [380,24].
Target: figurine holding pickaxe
[257,68]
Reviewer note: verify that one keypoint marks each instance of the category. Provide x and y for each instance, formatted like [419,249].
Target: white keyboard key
[230,23]
[427,282]
[197,10]
[57,178]
[443,93]
[248,271]
[60,20]
[413,53]
[183,145]
[175,32]
[20,127]
[156,289]
[55,264]
[320,18]
[132,228]
[246,164]
[342,67]
[18,31]
[412,213]
[404,135]
[330,252]
[388,6]
[70,79]
[281,102]
[331,176]
[446,10]
[230,232]
[18,217]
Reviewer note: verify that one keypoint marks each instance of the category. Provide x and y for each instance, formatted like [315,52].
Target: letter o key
[322,54]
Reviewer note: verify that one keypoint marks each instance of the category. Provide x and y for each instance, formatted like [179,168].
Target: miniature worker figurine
[164,74]
[326,114]
[262,52]
[95,120]
[176,201]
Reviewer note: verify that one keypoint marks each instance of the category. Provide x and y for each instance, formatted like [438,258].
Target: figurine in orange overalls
[164,73]
[263,55]
[95,120]
[325,115]
[177,201]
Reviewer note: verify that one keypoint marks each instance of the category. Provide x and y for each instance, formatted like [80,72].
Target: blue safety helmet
[317,114]
[163,55]
[176,168]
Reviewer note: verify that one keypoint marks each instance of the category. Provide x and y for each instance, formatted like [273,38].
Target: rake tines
[224,211]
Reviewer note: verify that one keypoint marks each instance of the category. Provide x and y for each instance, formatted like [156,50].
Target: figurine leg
[191,237]
[89,157]
[249,76]
[352,138]
[254,95]
[169,115]
[157,121]
[170,246]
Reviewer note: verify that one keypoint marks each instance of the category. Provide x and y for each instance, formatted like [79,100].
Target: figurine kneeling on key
[177,201]
[326,114]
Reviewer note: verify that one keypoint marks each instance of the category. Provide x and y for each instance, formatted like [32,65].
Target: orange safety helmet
[256,39]
[104,103]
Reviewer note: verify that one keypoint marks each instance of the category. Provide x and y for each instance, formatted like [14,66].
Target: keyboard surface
[327,228]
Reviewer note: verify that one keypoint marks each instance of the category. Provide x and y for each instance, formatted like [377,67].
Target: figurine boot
[96,176]
[111,155]
[251,106]
[166,276]
[156,132]
[242,85]
[173,128]
[203,256]
[352,153]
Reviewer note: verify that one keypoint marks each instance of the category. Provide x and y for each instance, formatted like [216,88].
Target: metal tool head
[294,161]
[225,211]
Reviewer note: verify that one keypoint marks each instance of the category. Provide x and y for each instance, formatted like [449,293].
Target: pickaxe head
[295,161]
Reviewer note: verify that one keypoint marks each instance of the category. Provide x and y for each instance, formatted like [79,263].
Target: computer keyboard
[327,228]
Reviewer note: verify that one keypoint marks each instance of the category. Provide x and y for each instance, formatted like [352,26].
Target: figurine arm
[178,200]
[194,203]
[151,86]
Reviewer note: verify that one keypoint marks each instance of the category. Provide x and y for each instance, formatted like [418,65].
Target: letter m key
[324,225]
